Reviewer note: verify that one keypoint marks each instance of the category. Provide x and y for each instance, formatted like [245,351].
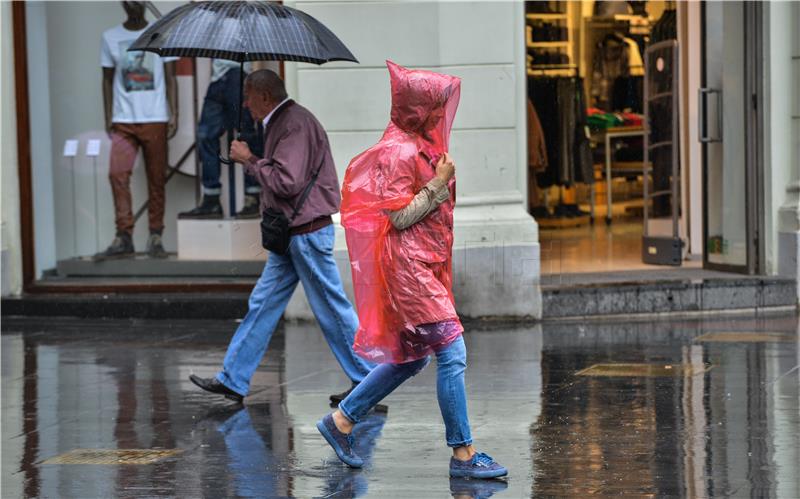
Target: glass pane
[727,228]
[78,209]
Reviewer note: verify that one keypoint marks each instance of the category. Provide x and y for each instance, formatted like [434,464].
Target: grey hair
[267,81]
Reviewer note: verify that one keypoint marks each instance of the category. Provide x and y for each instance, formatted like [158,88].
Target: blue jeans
[451,362]
[220,113]
[310,261]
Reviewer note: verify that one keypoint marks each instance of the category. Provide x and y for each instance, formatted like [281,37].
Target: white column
[783,134]
[496,250]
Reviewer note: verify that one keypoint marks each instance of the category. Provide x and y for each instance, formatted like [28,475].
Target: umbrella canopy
[243,31]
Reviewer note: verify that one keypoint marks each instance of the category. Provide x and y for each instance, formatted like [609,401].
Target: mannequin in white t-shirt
[141,110]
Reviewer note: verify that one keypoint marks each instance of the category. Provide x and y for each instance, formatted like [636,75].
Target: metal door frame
[752,65]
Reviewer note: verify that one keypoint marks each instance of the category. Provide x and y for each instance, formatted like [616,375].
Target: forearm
[107,103]
[108,96]
[428,199]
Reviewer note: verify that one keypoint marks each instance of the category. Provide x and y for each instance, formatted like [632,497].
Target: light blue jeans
[451,362]
[310,261]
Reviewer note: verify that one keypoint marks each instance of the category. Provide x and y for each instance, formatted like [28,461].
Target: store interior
[586,158]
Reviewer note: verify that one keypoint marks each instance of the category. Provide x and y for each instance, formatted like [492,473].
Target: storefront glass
[79,168]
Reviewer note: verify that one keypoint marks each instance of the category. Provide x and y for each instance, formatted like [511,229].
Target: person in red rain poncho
[397,211]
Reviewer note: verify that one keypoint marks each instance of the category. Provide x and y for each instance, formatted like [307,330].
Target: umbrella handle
[228,160]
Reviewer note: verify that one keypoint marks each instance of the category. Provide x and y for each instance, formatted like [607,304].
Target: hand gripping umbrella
[242,31]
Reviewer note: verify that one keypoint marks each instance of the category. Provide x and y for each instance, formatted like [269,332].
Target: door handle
[702,115]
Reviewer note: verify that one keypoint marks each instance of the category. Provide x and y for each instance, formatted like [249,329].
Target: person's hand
[240,151]
[172,125]
[445,168]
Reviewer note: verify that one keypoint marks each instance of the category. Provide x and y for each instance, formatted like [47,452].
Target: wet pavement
[695,408]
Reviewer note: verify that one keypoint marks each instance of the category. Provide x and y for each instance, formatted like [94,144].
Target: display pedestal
[226,239]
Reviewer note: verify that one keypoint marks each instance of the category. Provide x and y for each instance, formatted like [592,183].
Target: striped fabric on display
[243,31]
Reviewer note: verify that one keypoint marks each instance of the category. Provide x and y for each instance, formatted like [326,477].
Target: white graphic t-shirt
[140,94]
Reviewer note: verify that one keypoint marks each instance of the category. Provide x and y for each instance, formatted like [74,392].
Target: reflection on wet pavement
[723,421]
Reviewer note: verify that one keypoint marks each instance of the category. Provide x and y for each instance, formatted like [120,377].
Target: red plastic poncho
[403,278]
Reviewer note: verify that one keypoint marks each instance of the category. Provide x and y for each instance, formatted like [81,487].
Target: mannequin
[140,108]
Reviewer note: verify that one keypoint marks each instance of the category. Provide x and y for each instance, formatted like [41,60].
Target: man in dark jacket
[295,145]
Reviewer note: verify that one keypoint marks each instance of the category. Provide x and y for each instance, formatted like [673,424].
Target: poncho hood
[424,104]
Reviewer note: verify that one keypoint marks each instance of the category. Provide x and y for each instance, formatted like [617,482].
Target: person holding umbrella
[397,211]
[296,155]
[296,161]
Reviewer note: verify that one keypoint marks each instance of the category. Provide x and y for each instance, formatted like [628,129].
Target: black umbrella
[242,31]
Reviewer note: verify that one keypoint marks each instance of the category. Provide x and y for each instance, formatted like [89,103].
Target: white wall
[474,41]
[11,249]
[782,137]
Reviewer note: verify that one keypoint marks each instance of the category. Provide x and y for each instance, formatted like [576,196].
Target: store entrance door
[729,130]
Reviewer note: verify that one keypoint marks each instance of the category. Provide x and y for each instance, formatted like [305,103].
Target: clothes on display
[601,120]
[137,111]
[610,8]
[561,104]
[628,94]
[537,147]
[139,85]
[666,28]
[125,141]
[220,114]
[537,160]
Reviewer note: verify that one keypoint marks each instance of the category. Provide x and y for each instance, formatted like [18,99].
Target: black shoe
[250,208]
[121,247]
[208,209]
[214,386]
[575,211]
[338,397]
[155,248]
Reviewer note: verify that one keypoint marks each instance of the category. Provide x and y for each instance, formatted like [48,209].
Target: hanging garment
[611,60]
[561,105]
[666,28]
[537,149]
[583,165]
[610,8]
[403,278]
[628,94]
[635,62]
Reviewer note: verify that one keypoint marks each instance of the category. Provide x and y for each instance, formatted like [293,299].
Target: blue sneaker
[480,466]
[342,444]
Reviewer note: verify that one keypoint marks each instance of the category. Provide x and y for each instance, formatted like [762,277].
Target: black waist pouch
[275,225]
[275,231]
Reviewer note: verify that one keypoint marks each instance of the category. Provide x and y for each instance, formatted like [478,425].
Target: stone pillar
[783,81]
[496,250]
